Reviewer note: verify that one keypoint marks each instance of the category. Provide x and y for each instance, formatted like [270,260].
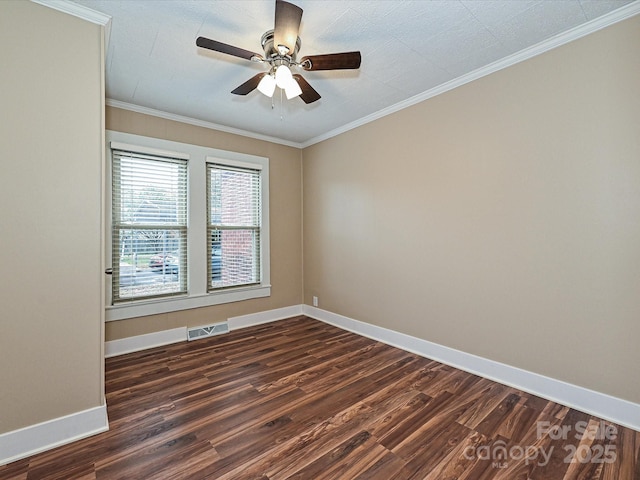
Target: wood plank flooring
[299,399]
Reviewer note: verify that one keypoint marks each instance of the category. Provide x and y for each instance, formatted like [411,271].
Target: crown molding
[76,10]
[198,123]
[85,13]
[575,33]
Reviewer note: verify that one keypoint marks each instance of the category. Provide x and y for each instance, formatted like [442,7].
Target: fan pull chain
[281,107]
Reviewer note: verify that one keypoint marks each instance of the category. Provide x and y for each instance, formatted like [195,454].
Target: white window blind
[234,226]
[149,226]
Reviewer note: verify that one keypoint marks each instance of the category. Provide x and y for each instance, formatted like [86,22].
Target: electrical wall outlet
[315,301]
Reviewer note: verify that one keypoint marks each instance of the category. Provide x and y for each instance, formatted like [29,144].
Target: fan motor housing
[271,52]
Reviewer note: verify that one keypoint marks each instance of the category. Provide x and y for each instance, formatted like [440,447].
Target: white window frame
[197,281]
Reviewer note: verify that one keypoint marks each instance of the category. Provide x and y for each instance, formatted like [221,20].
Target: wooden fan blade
[332,61]
[308,95]
[250,85]
[287,25]
[224,48]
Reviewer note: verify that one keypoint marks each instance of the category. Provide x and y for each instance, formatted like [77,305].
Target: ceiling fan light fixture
[292,90]
[267,85]
[281,46]
[283,76]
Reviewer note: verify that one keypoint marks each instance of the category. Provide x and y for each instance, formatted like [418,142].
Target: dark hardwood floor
[299,399]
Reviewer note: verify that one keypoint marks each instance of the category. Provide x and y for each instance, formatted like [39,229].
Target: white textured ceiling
[408,47]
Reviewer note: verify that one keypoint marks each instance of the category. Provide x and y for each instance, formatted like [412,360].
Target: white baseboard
[267,316]
[113,348]
[137,343]
[588,401]
[37,438]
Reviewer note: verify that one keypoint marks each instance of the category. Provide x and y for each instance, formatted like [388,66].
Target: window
[149,253]
[233,233]
[189,226]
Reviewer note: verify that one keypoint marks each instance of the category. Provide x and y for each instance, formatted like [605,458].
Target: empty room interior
[427,266]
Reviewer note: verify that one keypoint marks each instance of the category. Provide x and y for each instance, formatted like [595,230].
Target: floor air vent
[209,331]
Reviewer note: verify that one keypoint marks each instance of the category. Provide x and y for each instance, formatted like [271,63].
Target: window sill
[142,308]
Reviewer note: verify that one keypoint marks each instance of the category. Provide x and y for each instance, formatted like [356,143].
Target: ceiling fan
[281,47]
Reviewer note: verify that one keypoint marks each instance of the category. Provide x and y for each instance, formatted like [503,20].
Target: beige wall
[501,218]
[285,221]
[51,97]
